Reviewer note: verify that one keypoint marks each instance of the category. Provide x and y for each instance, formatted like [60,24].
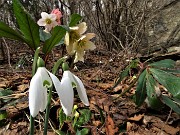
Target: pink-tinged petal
[66,95]
[89,45]
[48,28]
[35,94]
[44,15]
[81,90]
[52,17]
[82,28]
[41,22]
[54,24]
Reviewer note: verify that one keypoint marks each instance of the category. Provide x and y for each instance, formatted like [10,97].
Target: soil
[98,73]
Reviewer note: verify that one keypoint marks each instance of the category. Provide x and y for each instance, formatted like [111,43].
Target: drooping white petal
[81,90]
[35,94]
[66,95]
[45,76]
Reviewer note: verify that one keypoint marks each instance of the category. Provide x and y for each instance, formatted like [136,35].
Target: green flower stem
[34,68]
[31,125]
[54,70]
[47,111]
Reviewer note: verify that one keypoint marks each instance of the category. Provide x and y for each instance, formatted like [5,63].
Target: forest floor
[110,115]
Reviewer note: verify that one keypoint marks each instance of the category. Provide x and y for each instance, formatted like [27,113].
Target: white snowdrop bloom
[66,93]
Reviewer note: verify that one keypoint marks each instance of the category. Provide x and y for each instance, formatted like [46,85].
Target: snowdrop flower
[82,45]
[67,95]
[73,35]
[47,20]
[58,15]
[38,90]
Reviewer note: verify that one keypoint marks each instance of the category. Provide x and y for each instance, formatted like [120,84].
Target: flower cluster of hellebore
[43,80]
[75,40]
[76,44]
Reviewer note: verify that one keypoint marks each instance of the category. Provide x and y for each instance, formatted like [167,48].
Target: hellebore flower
[38,90]
[82,45]
[73,35]
[66,93]
[58,15]
[47,20]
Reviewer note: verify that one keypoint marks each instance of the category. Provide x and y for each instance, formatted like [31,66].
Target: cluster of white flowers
[44,79]
[77,43]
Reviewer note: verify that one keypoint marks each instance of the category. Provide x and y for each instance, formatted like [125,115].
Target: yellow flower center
[48,21]
[81,43]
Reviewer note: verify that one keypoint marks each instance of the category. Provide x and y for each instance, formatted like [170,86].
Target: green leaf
[57,34]
[84,131]
[150,85]
[153,99]
[3,114]
[171,104]
[7,32]
[167,63]
[44,35]
[140,94]
[123,74]
[62,118]
[6,92]
[28,26]
[173,71]
[75,18]
[85,116]
[169,81]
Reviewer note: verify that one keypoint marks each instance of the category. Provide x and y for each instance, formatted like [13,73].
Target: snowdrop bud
[65,66]
[40,62]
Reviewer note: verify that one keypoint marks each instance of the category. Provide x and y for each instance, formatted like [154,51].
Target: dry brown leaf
[22,87]
[110,127]
[97,123]
[136,117]
[128,126]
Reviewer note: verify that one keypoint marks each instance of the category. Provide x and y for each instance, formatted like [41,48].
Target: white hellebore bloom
[47,20]
[38,90]
[82,45]
[73,35]
[66,93]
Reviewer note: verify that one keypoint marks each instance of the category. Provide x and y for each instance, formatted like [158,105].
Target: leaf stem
[131,85]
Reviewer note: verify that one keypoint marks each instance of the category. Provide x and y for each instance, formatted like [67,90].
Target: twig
[8,53]
[168,116]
